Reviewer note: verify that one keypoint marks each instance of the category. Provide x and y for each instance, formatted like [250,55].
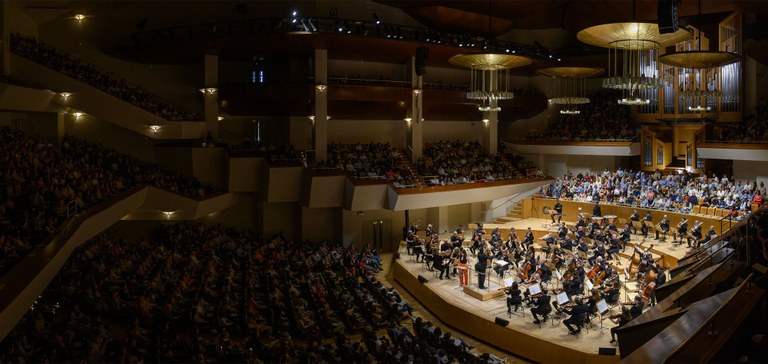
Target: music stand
[602,310]
[559,279]
[588,283]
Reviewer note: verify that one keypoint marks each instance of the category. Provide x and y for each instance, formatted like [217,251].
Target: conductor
[481,266]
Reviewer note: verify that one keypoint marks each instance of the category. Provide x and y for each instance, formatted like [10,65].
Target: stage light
[376,19]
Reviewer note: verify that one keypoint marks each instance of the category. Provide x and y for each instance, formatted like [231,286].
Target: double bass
[634,260]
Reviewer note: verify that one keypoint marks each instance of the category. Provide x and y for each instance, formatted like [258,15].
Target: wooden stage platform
[547,343]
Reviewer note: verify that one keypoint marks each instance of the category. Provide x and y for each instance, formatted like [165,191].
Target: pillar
[211,95]
[416,125]
[320,123]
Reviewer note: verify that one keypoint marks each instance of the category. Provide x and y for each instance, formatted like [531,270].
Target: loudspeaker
[667,16]
[607,351]
[422,279]
[422,53]
[502,322]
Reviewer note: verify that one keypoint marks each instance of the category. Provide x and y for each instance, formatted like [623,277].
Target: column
[320,123]
[211,95]
[416,125]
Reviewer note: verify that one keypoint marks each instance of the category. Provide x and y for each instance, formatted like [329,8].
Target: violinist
[429,231]
[513,297]
[558,258]
[578,317]
[612,288]
[501,268]
[583,247]
[441,262]
[513,236]
[621,319]
[544,273]
[457,240]
[418,248]
[542,306]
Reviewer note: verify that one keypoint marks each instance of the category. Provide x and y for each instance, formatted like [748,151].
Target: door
[378,233]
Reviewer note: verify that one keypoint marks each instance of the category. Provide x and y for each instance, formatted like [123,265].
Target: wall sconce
[219,118]
[321,87]
[485,121]
[209,90]
[408,120]
[155,128]
[79,17]
[168,213]
[417,91]
[65,95]
[77,115]
[311,118]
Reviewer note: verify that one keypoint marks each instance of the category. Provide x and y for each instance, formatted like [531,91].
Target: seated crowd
[198,294]
[752,128]
[371,160]
[457,162]
[672,192]
[602,119]
[40,182]
[70,65]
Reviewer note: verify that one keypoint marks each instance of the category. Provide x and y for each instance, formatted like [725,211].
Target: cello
[524,271]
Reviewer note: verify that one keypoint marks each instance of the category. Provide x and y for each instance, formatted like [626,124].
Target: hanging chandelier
[633,52]
[489,76]
[699,73]
[570,86]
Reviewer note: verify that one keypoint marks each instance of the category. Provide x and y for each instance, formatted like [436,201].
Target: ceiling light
[489,76]
[79,16]
[321,87]
[209,90]
[633,52]
[570,84]
[65,95]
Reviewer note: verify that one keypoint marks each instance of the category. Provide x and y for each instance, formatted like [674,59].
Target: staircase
[407,167]
[514,214]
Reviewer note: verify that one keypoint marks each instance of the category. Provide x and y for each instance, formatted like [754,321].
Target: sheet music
[501,263]
[507,282]
[562,298]
[534,289]
[602,307]
[589,284]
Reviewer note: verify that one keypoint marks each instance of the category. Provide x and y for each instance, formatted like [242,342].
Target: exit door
[378,233]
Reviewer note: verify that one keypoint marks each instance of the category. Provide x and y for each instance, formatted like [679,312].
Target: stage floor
[589,340]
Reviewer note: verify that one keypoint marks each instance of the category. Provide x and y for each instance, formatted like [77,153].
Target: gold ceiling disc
[489,61]
[698,59]
[574,72]
[631,35]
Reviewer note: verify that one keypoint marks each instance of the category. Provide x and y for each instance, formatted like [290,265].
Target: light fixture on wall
[155,128]
[209,90]
[79,17]
[485,121]
[168,213]
[408,120]
[65,95]
[77,115]
[417,91]
[320,87]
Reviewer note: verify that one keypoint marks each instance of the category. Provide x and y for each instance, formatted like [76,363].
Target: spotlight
[376,19]
[294,13]
[79,16]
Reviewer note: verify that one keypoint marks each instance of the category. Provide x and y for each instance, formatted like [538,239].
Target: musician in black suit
[578,316]
[634,217]
[682,230]
[695,233]
[648,218]
[637,307]
[562,231]
[542,306]
[528,240]
[661,278]
[513,297]
[558,210]
[711,234]
[596,211]
[624,237]
[664,224]
[481,266]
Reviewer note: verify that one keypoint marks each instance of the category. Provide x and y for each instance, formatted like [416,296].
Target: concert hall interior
[469,181]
